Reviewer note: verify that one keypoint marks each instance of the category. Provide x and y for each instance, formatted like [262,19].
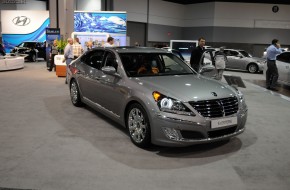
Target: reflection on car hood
[186,87]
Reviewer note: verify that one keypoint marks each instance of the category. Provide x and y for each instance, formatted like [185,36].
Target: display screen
[104,22]
[184,47]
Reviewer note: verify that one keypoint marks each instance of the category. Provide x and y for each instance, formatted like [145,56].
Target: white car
[283,66]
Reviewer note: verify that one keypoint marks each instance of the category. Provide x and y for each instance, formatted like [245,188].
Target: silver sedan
[156,96]
[242,60]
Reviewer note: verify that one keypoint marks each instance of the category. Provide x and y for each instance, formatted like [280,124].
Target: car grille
[216,108]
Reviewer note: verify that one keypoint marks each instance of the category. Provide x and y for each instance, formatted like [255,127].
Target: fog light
[171,133]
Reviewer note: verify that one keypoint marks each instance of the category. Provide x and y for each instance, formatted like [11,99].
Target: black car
[34,50]
[2,51]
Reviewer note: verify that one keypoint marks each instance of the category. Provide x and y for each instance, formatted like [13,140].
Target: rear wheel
[253,68]
[138,126]
[75,94]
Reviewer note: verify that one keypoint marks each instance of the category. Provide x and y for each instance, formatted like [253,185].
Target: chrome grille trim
[217,107]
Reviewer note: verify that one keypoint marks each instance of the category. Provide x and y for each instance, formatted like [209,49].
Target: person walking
[68,55]
[53,53]
[272,72]
[221,60]
[196,54]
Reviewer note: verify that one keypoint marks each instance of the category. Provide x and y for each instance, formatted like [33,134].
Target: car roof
[134,49]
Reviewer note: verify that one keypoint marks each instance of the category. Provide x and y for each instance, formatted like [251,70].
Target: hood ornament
[214,94]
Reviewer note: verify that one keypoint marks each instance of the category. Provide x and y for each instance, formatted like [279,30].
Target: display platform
[60,67]
[11,62]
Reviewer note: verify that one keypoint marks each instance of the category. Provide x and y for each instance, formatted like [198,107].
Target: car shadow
[112,140]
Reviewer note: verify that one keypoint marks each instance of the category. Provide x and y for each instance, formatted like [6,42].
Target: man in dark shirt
[196,54]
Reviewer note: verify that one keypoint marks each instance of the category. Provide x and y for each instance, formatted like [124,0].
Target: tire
[33,57]
[75,94]
[138,126]
[252,68]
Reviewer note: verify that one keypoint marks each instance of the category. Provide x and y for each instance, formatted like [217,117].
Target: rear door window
[93,58]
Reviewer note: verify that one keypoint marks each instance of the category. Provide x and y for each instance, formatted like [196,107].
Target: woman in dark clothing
[53,52]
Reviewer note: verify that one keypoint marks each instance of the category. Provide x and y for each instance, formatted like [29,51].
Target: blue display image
[12,40]
[100,22]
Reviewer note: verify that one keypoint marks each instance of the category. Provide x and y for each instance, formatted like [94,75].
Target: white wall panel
[166,13]
[200,14]
[251,15]
[136,9]
[88,5]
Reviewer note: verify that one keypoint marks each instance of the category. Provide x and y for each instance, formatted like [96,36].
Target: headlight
[171,105]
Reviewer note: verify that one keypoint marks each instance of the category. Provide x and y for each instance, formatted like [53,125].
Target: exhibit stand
[60,66]
[11,62]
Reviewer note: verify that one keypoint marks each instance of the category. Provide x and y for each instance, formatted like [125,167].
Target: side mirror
[109,70]
[206,68]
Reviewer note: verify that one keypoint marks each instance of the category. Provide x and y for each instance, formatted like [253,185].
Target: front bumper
[189,130]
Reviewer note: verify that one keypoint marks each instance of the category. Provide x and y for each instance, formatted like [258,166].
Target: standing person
[77,48]
[53,53]
[272,72]
[2,50]
[68,54]
[196,54]
[89,45]
[110,42]
[220,62]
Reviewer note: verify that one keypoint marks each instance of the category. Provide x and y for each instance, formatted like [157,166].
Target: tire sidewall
[147,140]
[78,102]
[250,65]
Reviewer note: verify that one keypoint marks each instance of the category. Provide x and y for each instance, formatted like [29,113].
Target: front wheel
[138,126]
[252,68]
[75,94]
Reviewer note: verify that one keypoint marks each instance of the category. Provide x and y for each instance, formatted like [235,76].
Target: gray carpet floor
[48,144]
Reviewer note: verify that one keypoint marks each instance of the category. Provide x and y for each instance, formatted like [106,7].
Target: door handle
[287,67]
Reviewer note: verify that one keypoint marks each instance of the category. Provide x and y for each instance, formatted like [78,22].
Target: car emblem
[21,20]
[213,93]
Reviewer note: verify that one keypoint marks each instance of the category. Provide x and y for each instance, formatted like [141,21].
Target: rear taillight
[73,69]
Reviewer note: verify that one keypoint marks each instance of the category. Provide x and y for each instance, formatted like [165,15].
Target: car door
[283,66]
[237,60]
[90,64]
[112,94]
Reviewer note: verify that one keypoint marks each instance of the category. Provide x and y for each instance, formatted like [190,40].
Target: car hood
[186,87]
[21,49]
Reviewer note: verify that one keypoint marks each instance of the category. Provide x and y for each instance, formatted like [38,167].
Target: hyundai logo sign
[214,94]
[21,20]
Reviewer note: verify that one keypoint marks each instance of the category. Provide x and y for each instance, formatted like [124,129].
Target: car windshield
[26,44]
[246,54]
[153,64]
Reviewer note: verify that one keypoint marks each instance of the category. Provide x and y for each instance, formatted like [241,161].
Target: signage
[275,9]
[21,20]
[51,35]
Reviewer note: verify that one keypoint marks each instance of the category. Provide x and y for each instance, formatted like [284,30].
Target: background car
[171,105]
[265,52]
[33,50]
[2,50]
[242,60]
[283,66]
